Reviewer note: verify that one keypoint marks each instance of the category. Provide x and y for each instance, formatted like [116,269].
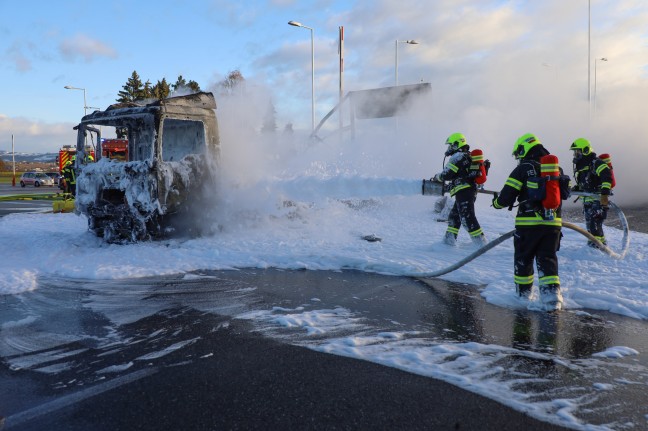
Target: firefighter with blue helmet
[592,175]
[537,237]
[464,190]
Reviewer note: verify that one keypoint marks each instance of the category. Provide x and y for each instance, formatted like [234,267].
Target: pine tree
[193,85]
[179,84]
[148,90]
[161,90]
[132,91]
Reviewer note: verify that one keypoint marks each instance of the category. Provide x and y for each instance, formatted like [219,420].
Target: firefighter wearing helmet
[69,175]
[536,237]
[592,175]
[463,188]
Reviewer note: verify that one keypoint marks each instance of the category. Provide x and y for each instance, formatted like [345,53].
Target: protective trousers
[540,243]
[463,213]
[595,215]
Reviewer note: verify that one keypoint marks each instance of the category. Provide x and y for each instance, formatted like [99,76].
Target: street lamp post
[410,42]
[298,24]
[85,104]
[589,54]
[595,60]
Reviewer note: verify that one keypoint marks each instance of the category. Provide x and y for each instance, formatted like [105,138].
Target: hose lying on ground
[502,238]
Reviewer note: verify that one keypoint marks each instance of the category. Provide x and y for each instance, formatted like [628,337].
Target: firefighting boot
[450,238]
[479,240]
[595,245]
[523,290]
[551,297]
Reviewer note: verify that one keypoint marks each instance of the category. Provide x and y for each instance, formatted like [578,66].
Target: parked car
[55,176]
[36,179]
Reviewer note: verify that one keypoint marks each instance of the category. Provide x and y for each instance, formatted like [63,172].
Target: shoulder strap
[534,164]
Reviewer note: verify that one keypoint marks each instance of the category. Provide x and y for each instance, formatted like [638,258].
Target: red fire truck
[65,154]
[116,149]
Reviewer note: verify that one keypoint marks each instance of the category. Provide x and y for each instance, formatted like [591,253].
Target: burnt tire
[125,230]
[96,226]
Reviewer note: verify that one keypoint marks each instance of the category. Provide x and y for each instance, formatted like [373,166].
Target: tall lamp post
[410,42]
[589,54]
[299,24]
[595,60]
[85,104]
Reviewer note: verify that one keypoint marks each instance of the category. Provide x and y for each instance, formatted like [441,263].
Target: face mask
[577,156]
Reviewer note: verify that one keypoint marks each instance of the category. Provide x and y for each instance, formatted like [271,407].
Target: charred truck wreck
[162,187]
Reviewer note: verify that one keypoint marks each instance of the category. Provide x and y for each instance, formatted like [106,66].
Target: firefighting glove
[599,212]
[495,196]
[437,178]
[605,201]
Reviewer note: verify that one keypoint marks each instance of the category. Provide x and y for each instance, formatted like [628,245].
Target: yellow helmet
[455,142]
[583,145]
[523,144]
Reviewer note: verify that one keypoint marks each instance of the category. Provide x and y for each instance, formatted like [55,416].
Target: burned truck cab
[168,176]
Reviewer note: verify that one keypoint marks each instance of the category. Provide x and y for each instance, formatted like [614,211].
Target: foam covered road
[180,353]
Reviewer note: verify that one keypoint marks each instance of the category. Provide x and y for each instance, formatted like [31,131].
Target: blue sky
[484,53]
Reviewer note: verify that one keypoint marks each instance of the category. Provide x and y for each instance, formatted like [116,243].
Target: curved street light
[410,42]
[299,24]
[85,105]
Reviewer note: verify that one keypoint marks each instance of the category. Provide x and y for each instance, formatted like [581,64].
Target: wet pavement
[162,352]
[25,206]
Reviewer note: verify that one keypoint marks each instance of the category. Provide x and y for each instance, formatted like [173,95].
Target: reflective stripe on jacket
[530,213]
[457,171]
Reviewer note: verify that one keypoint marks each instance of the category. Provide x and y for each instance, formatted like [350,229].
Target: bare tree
[234,83]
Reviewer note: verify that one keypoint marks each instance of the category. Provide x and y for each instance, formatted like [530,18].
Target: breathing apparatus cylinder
[550,169]
[608,160]
[478,166]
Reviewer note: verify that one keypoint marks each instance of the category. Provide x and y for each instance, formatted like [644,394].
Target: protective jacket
[458,172]
[592,175]
[69,173]
[530,212]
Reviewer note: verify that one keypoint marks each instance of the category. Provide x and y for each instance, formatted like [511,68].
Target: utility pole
[13,158]
[341,94]
[589,60]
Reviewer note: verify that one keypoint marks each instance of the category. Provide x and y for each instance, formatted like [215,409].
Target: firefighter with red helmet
[592,175]
[460,175]
[537,233]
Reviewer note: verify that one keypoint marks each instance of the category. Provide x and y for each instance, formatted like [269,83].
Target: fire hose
[432,189]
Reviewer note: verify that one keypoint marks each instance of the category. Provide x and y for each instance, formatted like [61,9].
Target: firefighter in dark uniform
[537,234]
[463,188]
[592,175]
[69,175]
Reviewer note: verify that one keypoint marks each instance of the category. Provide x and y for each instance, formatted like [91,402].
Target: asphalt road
[23,205]
[254,383]
[229,376]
